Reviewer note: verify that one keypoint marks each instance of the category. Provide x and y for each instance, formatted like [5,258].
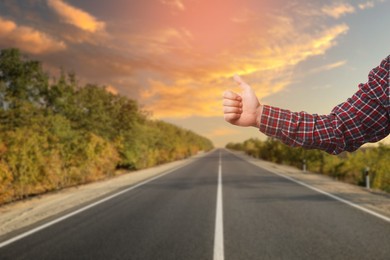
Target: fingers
[231,95]
[228,110]
[232,110]
[231,103]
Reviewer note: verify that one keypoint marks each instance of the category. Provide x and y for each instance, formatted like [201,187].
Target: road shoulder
[23,214]
[373,200]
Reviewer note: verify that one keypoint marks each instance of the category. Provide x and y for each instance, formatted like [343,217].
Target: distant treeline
[55,133]
[349,167]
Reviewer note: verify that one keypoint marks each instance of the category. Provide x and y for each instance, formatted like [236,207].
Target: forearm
[345,129]
[362,118]
[300,129]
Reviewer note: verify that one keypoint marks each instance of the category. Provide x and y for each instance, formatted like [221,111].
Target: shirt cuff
[271,121]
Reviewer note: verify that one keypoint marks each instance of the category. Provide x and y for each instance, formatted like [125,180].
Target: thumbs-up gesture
[244,109]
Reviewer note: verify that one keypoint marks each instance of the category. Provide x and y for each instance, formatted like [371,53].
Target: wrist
[259,112]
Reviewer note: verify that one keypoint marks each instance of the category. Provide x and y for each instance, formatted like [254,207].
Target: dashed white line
[218,235]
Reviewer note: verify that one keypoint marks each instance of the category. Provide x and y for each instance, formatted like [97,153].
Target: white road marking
[48,224]
[326,193]
[335,197]
[218,235]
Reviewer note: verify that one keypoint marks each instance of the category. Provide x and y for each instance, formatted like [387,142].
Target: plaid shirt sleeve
[362,118]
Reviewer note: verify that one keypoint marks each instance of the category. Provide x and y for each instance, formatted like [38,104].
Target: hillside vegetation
[55,133]
[349,167]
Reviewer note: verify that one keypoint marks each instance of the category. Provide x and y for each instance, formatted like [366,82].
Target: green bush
[348,167]
[56,134]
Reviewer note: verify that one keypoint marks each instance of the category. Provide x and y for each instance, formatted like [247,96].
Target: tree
[56,133]
[21,79]
[348,167]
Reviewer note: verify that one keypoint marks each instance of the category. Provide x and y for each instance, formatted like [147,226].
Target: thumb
[240,82]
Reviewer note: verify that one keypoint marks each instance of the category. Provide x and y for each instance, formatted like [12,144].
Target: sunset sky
[177,57]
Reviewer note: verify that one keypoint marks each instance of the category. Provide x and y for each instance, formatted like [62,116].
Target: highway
[219,206]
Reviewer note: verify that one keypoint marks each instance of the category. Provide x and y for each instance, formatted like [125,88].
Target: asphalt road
[263,216]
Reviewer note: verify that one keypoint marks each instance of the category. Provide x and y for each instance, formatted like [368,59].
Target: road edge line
[73,213]
[352,204]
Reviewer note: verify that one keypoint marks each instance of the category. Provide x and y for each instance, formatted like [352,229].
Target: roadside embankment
[374,200]
[21,214]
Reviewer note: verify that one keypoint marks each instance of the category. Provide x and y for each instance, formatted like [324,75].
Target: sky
[177,57]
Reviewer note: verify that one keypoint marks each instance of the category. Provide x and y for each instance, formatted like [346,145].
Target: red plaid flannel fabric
[365,117]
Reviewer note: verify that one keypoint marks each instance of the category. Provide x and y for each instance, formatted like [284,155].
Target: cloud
[176,4]
[329,66]
[369,4]
[111,89]
[76,17]
[162,41]
[189,87]
[179,100]
[172,77]
[162,65]
[7,26]
[27,39]
[244,16]
[338,10]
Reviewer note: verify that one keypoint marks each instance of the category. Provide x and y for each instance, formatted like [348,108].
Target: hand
[244,109]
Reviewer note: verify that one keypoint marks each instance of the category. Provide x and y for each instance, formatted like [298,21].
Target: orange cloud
[174,77]
[111,89]
[177,4]
[159,42]
[76,17]
[27,38]
[180,100]
[245,15]
[6,26]
[338,10]
[195,88]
